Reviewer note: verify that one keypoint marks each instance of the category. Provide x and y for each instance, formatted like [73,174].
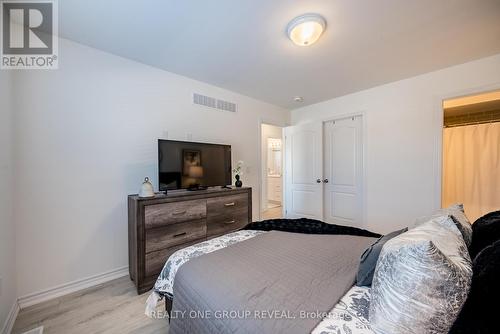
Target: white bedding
[349,316]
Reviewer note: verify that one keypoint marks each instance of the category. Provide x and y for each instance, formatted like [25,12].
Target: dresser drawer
[155,261]
[224,204]
[171,213]
[175,234]
[228,223]
[225,214]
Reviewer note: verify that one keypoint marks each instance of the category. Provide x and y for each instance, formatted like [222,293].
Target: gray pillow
[370,256]
[421,281]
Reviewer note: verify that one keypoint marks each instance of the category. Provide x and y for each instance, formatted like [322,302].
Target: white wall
[267,131]
[403,137]
[86,137]
[7,229]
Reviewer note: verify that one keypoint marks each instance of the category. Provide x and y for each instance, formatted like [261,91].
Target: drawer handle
[179,234]
[230,222]
[179,213]
[229,204]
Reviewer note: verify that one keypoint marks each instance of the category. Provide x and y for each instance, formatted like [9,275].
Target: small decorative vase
[147,189]
[238,182]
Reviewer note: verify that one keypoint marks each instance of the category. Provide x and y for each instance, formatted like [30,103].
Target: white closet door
[343,168]
[304,164]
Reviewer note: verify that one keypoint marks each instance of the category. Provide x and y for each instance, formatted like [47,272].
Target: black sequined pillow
[485,231]
[480,314]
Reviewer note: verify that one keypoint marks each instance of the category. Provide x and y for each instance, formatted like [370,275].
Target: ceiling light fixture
[298,99]
[306,29]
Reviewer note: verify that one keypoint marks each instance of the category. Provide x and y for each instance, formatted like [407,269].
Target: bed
[269,281]
[297,277]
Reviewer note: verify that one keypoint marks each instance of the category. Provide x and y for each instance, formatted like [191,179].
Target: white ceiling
[241,45]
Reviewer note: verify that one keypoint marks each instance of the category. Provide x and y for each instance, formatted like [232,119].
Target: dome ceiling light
[306,29]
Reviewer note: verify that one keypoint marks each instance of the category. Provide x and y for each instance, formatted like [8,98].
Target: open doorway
[471,153]
[271,171]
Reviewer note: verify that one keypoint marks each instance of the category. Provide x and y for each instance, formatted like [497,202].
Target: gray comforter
[276,282]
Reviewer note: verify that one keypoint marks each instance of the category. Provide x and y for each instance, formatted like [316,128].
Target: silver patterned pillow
[421,281]
[460,220]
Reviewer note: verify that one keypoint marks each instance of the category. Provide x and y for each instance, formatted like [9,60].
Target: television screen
[189,165]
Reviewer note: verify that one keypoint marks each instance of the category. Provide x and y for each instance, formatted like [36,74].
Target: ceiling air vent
[212,102]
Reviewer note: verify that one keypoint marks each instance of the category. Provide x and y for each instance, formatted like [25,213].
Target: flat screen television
[190,165]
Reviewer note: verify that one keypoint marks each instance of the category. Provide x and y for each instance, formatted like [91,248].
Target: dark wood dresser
[161,225]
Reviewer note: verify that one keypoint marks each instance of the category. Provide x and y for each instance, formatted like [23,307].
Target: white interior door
[343,170]
[304,164]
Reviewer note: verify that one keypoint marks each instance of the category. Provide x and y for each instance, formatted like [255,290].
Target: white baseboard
[67,288]
[11,318]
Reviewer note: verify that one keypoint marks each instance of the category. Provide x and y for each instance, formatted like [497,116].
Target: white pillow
[421,280]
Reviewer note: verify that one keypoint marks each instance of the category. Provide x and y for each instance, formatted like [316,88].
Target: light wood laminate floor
[112,307]
[273,213]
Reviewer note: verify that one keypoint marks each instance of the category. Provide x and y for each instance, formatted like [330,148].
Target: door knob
[318,181]
[325,180]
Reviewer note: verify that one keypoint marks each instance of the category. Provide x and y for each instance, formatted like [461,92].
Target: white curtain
[471,168]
